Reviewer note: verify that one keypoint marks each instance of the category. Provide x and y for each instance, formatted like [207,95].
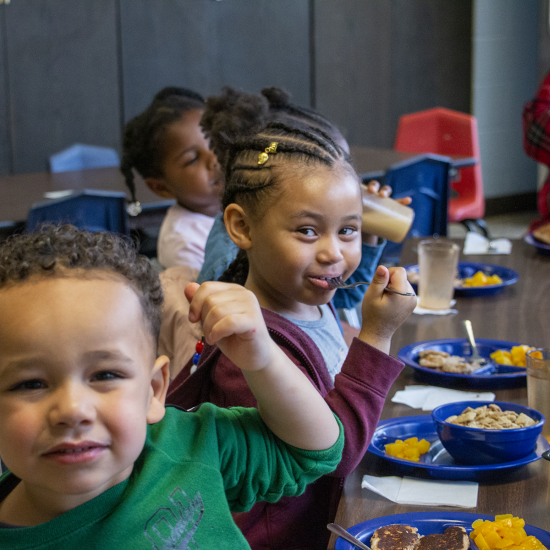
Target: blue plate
[468,269]
[427,523]
[437,463]
[543,248]
[492,376]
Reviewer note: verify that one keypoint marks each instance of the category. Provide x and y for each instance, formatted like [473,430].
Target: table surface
[373,162]
[519,313]
[20,191]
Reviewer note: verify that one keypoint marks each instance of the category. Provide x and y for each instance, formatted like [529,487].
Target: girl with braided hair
[292,204]
[220,251]
[167,147]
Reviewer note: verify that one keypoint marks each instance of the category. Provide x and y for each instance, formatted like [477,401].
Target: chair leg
[473,224]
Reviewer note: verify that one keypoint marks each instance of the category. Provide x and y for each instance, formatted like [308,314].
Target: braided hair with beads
[240,127]
[143,140]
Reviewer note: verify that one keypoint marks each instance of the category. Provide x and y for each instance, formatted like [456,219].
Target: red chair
[447,132]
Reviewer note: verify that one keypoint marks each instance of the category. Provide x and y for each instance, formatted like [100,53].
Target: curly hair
[240,126]
[53,251]
[143,140]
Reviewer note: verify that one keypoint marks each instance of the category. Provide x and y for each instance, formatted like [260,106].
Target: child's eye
[308,231]
[348,231]
[106,375]
[191,161]
[29,385]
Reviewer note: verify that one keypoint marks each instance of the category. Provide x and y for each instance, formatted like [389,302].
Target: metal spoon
[342,533]
[475,357]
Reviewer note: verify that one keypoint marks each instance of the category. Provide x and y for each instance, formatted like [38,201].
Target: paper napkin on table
[424,311]
[428,398]
[407,490]
[478,244]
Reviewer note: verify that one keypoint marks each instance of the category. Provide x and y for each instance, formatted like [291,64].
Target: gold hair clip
[262,157]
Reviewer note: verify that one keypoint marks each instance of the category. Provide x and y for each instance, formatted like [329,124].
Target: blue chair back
[92,210]
[426,180]
[79,157]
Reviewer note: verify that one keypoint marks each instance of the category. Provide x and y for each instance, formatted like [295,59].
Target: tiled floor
[511,226]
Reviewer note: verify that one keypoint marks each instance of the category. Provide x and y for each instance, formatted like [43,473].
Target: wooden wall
[76,71]
[378,60]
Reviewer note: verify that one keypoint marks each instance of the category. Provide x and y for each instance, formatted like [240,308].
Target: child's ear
[237,225]
[159,187]
[160,379]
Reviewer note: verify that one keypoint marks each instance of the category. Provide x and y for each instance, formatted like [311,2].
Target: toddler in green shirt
[95,460]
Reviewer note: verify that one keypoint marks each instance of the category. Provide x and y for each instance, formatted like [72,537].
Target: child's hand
[383,312]
[231,318]
[374,188]
[288,402]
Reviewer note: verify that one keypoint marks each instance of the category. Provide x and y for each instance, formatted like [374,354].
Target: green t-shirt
[194,470]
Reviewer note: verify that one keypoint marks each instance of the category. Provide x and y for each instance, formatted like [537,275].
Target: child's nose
[213,163]
[330,250]
[71,406]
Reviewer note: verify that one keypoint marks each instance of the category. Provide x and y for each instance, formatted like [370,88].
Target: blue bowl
[483,446]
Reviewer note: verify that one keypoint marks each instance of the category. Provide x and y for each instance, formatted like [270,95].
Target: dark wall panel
[377,60]
[63,69]
[4,126]
[203,45]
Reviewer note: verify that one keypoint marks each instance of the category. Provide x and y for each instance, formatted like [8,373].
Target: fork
[337,282]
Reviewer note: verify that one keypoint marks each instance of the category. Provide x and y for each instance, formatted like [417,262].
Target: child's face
[191,172]
[310,232]
[78,385]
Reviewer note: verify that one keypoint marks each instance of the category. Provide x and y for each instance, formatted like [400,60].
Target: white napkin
[478,244]
[58,194]
[424,311]
[407,490]
[428,398]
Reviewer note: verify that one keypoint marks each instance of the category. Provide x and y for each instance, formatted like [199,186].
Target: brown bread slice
[395,537]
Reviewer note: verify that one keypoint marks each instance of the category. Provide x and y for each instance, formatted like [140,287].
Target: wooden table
[520,313]
[374,162]
[19,192]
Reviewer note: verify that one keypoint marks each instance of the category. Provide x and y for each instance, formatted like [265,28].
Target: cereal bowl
[479,446]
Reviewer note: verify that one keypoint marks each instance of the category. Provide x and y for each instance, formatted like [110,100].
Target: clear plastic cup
[538,384]
[386,217]
[437,263]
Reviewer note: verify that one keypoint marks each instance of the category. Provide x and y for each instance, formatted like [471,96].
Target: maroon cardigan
[357,398]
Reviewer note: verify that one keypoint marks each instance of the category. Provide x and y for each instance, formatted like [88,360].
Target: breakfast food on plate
[506,531]
[490,417]
[481,279]
[542,233]
[454,538]
[514,357]
[395,537]
[410,449]
[442,361]
[405,537]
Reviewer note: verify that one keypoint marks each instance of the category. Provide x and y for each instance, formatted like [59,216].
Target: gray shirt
[326,334]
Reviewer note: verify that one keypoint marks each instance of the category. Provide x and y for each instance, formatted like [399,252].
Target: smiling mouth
[67,454]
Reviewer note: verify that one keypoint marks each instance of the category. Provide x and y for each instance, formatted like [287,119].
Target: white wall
[505,77]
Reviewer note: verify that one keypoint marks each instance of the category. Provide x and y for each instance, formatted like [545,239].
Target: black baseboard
[523,202]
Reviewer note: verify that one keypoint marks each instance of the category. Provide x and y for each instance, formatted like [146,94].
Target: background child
[166,146]
[80,381]
[293,206]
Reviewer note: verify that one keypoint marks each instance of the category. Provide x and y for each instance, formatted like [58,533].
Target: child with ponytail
[292,204]
[167,147]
